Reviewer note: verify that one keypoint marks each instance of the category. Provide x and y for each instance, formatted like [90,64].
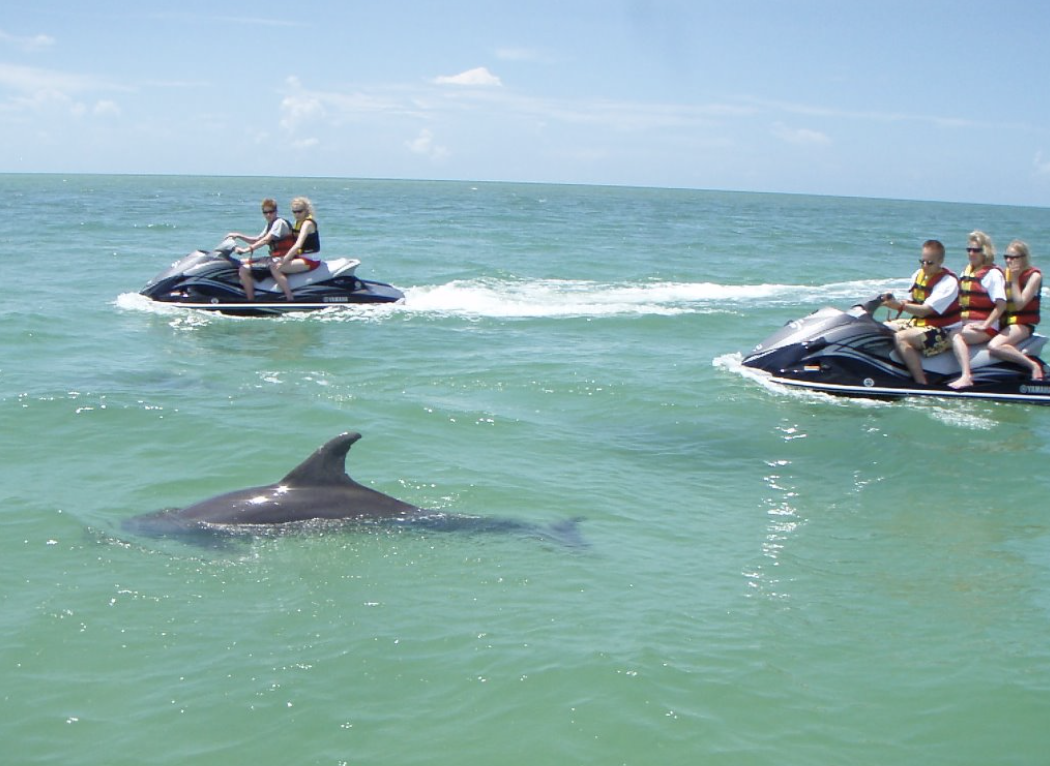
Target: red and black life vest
[974,302]
[920,291]
[1027,314]
[280,247]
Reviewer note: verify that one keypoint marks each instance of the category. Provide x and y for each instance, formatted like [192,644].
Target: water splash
[487,297]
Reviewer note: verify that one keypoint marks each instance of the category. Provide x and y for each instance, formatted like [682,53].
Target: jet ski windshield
[812,326]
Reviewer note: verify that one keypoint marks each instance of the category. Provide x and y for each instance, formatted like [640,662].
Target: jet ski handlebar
[869,306]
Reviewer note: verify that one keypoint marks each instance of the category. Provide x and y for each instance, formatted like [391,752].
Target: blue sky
[916,99]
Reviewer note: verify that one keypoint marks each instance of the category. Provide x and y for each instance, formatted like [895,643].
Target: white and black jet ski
[208,280]
[851,354]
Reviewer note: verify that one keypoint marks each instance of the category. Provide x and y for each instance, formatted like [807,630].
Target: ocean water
[771,577]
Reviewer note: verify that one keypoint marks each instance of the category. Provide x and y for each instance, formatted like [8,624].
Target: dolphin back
[319,488]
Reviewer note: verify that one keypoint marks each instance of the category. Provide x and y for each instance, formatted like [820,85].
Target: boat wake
[963,415]
[558,298]
[501,298]
[733,363]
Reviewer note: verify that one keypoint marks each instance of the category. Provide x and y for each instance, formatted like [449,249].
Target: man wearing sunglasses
[277,234]
[931,314]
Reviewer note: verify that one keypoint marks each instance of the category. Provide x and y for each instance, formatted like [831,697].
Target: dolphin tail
[565,533]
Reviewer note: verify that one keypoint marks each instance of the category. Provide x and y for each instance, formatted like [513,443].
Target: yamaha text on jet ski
[851,354]
[208,280]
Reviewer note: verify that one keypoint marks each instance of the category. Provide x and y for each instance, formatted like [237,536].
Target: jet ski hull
[209,281]
[849,353]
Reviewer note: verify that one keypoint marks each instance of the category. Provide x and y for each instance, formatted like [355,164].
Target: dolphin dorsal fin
[327,465]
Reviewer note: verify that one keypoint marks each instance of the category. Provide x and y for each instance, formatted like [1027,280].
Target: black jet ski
[208,280]
[851,354]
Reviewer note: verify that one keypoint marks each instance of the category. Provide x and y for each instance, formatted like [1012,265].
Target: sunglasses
[300,210]
[269,212]
[975,249]
[1012,257]
[924,262]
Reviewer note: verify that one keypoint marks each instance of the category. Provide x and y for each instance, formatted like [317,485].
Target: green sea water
[771,577]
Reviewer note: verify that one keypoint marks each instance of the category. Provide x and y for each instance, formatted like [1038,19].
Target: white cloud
[803,136]
[49,104]
[32,79]
[1042,165]
[808,110]
[26,44]
[479,76]
[623,116]
[299,108]
[51,94]
[424,144]
[302,106]
[106,108]
[305,143]
[303,110]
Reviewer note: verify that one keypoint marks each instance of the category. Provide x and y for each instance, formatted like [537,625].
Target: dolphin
[319,489]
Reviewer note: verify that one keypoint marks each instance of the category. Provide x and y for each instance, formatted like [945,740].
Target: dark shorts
[935,340]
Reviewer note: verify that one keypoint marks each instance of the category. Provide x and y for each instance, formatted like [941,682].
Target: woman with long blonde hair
[982,303]
[307,243]
[1024,283]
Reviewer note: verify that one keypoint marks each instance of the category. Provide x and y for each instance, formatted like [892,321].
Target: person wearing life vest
[307,243]
[1024,283]
[277,235]
[931,314]
[982,301]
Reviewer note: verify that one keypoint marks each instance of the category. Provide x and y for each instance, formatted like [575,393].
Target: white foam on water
[563,298]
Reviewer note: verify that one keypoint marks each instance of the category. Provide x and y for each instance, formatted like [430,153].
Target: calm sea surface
[771,577]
